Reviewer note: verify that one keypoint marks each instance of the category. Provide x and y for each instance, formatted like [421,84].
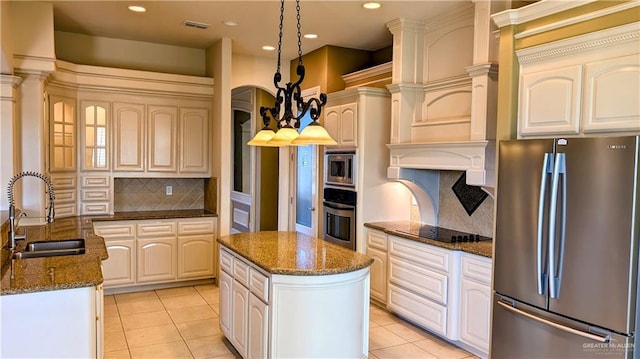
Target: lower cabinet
[120,268]
[444,291]
[157,251]
[244,312]
[377,249]
[475,301]
[157,259]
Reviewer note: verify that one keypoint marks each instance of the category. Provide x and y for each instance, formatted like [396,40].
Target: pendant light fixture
[290,95]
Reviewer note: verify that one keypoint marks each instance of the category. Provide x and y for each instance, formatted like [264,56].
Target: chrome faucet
[12,207]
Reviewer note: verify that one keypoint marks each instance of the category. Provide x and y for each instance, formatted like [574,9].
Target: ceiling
[342,23]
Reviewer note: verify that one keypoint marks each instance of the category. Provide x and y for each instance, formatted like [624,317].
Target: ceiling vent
[197,25]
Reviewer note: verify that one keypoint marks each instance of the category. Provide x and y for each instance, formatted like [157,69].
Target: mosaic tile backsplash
[451,213]
[148,194]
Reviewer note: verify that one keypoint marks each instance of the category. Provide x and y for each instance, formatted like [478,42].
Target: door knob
[312,208]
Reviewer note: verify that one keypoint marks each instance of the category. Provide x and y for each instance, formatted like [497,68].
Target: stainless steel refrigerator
[566,248]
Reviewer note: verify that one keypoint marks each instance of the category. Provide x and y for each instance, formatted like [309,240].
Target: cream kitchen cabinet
[244,309]
[195,248]
[95,135]
[162,128]
[342,124]
[157,248]
[423,285]
[95,193]
[377,249]
[119,237]
[157,251]
[581,86]
[475,302]
[66,191]
[194,140]
[62,134]
[128,136]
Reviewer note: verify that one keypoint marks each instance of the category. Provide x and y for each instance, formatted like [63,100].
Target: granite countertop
[293,253]
[55,273]
[140,215]
[75,271]
[398,228]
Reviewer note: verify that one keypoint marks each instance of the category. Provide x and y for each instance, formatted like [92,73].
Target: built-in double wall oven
[339,222]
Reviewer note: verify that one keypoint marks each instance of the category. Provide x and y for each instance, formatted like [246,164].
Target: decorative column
[31,142]
[408,77]
[8,154]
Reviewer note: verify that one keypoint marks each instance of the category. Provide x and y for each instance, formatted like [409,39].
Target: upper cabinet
[62,134]
[162,125]
[341,122]
[572,69]
[194,140]
[94,128]
[128,141]
[583,85]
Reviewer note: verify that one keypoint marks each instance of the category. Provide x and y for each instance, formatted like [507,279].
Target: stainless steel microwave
[340,168]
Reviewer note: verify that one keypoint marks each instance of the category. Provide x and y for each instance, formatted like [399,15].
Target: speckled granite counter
[33,274]
[398,228]
[76,271]
[139,215]
[292,253]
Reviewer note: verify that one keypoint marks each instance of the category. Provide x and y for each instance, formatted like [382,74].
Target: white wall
[128,54]
[6,40]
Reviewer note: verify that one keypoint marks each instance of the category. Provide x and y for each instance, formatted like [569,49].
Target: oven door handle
[338,205]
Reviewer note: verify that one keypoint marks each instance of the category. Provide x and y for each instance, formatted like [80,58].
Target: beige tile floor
[183,323]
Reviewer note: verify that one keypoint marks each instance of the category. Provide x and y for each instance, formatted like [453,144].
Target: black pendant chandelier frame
[291,92]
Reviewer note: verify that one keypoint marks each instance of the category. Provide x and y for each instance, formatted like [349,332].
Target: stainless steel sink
[52,248]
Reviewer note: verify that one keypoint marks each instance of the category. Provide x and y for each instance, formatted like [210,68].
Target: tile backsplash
[451,213]
[148,194]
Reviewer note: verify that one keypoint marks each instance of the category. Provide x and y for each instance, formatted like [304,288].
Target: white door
[305,180]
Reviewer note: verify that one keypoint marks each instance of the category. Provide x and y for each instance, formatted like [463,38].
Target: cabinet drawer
[420,280]
[418,309]
[195,226]
[159,228]
[226,261]
[241,272]
[95,194]
[65,195]
[63,182]
[259,285]
[95,181]
[94,208]
[420,253]
[377,239]
[115,230]
[477,268]
[65,210]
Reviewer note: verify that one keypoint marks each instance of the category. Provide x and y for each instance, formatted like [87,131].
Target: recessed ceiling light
[268,48]
[310,36]
[137,8]
[371,5]
[230,23]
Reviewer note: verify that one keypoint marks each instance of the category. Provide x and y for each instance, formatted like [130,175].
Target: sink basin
[52,248]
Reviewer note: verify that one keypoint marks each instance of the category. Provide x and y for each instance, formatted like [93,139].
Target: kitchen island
[286,294]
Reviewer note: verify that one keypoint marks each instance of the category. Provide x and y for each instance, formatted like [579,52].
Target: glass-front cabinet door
[62,134]
[95,135]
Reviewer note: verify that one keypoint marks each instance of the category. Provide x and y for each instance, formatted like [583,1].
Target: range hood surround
[444,117]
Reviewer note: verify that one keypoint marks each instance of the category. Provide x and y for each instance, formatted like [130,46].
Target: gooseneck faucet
[12,206]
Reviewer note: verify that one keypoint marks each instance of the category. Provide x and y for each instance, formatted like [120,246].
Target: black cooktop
[443,234]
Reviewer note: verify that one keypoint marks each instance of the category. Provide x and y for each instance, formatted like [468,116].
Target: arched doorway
[254,192]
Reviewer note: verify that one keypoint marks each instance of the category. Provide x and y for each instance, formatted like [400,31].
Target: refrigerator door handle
[556,260]
[591,336]
[547,169]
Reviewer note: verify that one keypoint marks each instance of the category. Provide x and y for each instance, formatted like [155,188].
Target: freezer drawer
[522,331]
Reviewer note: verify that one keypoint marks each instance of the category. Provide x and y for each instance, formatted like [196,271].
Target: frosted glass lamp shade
[262,138]
[314,134]
[283,137]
